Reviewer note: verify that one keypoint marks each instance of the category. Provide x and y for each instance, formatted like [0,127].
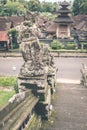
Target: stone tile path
[71,81]
[70,105]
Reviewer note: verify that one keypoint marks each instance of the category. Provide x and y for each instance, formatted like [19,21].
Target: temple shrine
[63,21]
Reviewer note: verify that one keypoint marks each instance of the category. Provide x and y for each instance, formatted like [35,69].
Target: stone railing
[17,113]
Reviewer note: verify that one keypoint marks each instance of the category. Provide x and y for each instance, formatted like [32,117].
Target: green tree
[79,7]
[34,5]
[3,2]
[16,86]
[1,10]
[48,7]
[14,8]
[13,36]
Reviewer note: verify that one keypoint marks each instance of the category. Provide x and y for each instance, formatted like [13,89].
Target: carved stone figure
[38,71]
[29,27]
[31,52]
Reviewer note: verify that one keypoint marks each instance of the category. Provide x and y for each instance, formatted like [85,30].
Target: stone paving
[70,105]
[72,81]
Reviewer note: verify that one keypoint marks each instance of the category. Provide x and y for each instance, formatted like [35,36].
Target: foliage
[7,81]
[13,36]
[41,44]
[34,5]
[3,2]
[79,7]
[14,8]
[70,46]
[56,45]
[1,10]
[10,8]
[49,15]
[85,45]
[5,96]
[49,7]
[19,7]
[16,86]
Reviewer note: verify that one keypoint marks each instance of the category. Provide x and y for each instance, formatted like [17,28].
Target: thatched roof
[52,28]
[64,10]
[5,24]
[63,19]
[80,22]
[8,22]
[16,20]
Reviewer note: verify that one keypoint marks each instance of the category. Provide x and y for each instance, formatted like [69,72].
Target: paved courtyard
[71,107]
[70,103]
[68,68]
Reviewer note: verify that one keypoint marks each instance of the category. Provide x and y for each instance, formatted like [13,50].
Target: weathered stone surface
[15,113]
[31,52]
[84,75]
[29,27]
[38,73]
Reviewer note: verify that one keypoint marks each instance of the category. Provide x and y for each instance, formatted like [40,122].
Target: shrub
[85,45]
[70,46]
[13,34]
[41,44]
[56,45]
[16,86]
[5,96]
[15,45]
[7,81]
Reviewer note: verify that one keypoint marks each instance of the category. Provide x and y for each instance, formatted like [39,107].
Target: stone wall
[16,112]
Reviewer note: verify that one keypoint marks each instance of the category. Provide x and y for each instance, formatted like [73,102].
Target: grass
[14,50]
[7,81]
[7,89]
[5,96]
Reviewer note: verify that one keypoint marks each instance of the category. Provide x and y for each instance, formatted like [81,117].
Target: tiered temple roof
[63,12]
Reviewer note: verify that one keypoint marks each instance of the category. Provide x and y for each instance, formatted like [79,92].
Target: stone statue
[31,52]
[29,28]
